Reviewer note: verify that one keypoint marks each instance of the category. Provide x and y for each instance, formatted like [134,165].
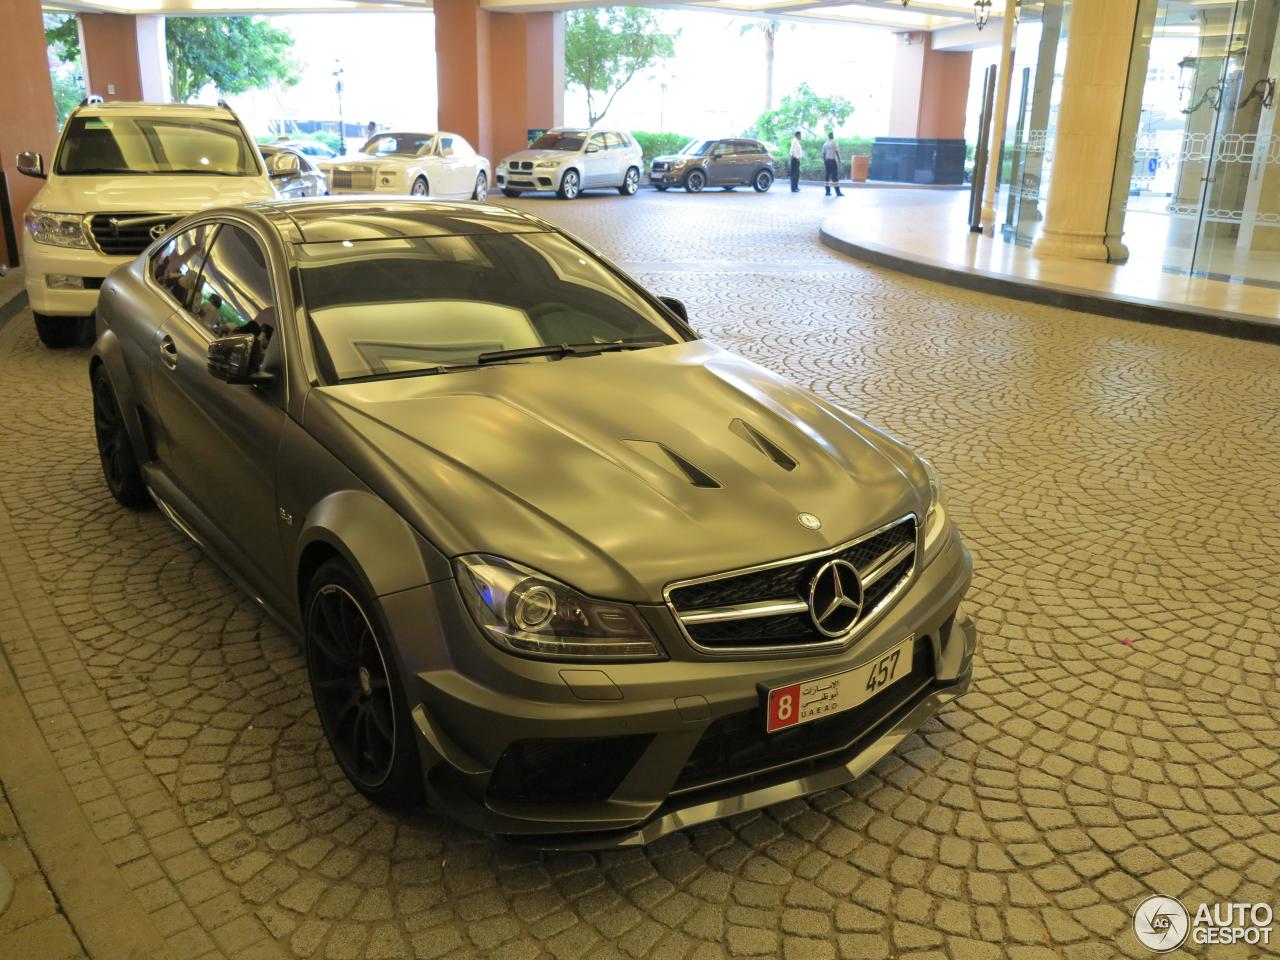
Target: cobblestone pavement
[1116,482]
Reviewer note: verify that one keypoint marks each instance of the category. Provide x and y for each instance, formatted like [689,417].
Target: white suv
[122,173]
[569,161]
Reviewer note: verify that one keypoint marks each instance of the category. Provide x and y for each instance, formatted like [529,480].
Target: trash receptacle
[858,168]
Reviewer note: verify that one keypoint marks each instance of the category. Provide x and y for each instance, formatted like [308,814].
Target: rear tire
[762,181]
[481,191]
[420,188]
[355,682]
[508,192]
[115,450]
[630,182]
[695,181]
[58,333]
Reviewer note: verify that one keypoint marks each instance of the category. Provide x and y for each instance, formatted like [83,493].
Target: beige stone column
[124,56]
[1004,80]
[1089,127]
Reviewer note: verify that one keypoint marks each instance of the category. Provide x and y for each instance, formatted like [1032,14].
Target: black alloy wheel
[695,181]
[763,181]
[357,690]
[119,465]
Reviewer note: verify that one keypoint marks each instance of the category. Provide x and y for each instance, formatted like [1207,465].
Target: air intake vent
[663,456]
[762,443]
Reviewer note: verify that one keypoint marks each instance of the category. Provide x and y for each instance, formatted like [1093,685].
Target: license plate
[802,702]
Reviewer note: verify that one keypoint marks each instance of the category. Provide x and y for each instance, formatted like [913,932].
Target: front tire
[630,183]
[695,181]
[481,191]
[420,188]
[570,185]
[115,450]
[355,683]
[58,333]
[763,181]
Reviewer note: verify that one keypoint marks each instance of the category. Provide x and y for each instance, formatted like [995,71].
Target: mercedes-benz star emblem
[809,521]
[158,231]
[835,598]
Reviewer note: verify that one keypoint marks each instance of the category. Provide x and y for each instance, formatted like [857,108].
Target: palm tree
[770,30]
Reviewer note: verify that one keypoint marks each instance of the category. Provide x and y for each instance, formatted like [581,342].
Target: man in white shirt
[797,152]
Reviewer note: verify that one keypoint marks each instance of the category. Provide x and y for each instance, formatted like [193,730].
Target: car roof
[155,109]
[327,219]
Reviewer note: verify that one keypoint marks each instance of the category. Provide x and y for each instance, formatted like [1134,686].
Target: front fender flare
[380,546]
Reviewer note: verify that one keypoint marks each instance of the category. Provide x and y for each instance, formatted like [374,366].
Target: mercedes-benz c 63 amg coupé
[571,571]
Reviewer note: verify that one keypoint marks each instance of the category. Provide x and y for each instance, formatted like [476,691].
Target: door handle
[169,352]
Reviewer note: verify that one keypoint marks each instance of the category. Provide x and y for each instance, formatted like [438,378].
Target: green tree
[604,48]
[235,54]
[805,111]
[62,34]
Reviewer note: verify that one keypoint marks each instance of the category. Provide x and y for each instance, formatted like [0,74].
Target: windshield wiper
[561,350]
[402,374]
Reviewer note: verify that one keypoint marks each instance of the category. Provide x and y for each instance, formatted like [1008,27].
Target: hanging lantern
[981,12]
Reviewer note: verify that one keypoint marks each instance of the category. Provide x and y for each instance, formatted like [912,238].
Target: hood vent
[762,443]
[663,456]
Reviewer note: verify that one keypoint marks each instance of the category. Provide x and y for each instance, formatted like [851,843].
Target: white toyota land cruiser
[122,173]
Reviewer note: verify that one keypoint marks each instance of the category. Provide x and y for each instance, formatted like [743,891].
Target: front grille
[522,165]
[737,745]
[564,770]
[352,180]
[128,234]
[767,607]
[659,165]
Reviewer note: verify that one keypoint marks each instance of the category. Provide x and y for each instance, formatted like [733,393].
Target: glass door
[1238,233]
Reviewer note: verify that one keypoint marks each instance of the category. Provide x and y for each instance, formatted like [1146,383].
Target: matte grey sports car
[578,574]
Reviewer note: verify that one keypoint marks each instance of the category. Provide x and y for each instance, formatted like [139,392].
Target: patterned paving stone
[1122,736]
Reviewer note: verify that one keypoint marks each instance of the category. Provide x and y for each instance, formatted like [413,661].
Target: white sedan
[436,164]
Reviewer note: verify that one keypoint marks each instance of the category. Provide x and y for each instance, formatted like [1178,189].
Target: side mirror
[676,306]
[32,164]
[235,359]
[592,148]
[283,166]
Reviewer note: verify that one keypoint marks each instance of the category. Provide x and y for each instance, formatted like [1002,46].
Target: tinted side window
[446,146]
[175,267]
[235,288]
[613,141]
[598,141]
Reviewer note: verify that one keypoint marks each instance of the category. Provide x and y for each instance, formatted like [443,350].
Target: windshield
[697,148]
[399,144]
[156,144]
[388,307]
[558,141]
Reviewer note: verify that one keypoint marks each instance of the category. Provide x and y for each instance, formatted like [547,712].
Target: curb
[13,306]
[1224,323]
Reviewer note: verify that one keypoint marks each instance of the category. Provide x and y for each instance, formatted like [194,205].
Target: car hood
[150,193]
[536,155]
[620,473]
[676,158]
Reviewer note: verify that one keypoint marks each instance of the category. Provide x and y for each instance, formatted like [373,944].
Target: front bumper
[628,735]
[666,177]
[541,179]
[40,260]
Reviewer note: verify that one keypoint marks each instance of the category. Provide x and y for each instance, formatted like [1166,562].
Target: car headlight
[937,525]
[547,164]
[524,612]
[57,229]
